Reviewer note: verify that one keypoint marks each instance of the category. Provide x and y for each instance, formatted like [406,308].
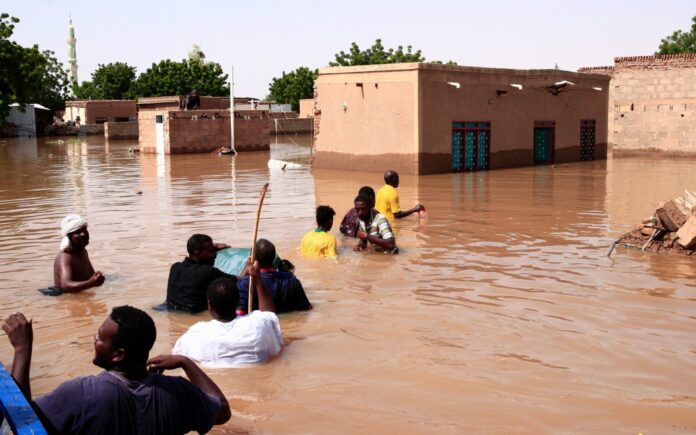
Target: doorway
[471,143]
[544,132]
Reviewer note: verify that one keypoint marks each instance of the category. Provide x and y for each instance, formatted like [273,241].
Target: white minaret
[72,54]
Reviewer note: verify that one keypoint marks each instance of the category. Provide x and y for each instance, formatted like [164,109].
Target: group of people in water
[132,395]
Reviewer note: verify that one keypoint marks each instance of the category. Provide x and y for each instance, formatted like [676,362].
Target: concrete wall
[653,104]
[121,130]
[100,111]
[400,116]
[90,129]
[199,131]
[366,118]
[291,126]
[307,108]
[512,114]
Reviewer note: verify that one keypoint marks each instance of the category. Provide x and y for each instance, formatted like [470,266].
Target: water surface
[502,314]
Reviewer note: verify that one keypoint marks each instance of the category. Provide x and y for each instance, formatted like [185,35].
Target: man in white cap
[72,270]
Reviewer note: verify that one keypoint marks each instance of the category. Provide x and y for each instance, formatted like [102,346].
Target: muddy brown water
[502,314]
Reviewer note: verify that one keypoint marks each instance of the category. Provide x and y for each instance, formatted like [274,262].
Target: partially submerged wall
[121,130]
[652,104]
[200,131]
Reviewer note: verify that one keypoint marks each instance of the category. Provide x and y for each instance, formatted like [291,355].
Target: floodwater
[502,314]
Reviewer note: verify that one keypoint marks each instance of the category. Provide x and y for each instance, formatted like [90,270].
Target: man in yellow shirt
[387,201]
[319,243]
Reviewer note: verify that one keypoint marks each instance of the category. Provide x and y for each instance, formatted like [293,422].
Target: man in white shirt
[228,340]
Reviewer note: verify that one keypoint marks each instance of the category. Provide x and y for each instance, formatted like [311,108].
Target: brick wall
[291,126]
[199,131]
[652,104]
[121,130]
[91,129]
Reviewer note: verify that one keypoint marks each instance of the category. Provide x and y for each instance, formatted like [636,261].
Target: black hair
[265,253]
[324,215]
[223,296]
[389,176]
[136,333]
[367,191]
[196,242]
[363,199]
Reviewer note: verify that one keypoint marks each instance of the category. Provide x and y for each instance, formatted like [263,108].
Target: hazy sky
[262,38]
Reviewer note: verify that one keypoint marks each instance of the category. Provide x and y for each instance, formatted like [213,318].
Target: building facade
[421,118]
[83,112]
[652,103]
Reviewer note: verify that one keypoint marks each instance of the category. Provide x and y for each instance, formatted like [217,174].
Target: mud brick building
[100,111]
[161,125]
[652,103]
[422,118]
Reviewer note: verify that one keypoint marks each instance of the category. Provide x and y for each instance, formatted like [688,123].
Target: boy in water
[72,270]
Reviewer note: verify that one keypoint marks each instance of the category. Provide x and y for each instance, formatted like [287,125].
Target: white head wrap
[71,223]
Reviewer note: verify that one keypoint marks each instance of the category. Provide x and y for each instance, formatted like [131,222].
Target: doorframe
[476,131]
[551,125]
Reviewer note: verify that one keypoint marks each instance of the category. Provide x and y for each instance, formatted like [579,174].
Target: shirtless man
[72,270]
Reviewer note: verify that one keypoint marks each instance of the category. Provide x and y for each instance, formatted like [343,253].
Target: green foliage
[113,81]
[680,42]
[376,55]
[178,78]
[28,75]
[293,86]
[439,62]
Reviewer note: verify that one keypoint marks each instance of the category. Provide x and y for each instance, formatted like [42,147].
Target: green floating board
[232,260]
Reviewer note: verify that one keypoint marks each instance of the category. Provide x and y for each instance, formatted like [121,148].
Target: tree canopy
[113,81]
[679,42]
[290,88]
[177,78]
[28,75]
[376,55]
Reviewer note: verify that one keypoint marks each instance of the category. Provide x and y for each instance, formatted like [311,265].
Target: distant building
[72,54]
[21,120]
[652,103]
[100,111]
[422,118]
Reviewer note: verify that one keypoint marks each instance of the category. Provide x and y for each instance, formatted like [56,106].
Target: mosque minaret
[72,54]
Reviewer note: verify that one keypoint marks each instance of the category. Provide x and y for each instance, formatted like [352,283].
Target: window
[587,139]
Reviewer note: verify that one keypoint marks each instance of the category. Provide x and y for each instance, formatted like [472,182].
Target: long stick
[253,247]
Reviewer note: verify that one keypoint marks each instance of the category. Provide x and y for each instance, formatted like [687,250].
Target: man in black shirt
[189,279]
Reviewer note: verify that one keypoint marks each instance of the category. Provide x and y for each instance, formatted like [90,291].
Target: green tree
[177,78]
[28,75]
[113,81]
[376,55]
[679,42]
[290,88]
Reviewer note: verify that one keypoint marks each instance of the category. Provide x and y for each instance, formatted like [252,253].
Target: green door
[543,145]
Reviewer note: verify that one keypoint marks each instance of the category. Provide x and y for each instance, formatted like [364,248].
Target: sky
[263,38]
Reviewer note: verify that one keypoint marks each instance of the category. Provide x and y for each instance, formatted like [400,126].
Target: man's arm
[65,281]
[197,377]
[402,214]
[386,244]
[266,302]
[21,335]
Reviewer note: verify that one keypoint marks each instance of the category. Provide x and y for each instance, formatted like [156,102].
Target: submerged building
[652,103]
[423,118]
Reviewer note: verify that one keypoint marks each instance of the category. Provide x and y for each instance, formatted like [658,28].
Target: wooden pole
[253,247]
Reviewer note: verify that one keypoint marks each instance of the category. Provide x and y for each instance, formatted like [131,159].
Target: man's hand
[219,246]
[21,334]
[420,207]
[97,278]
[358,247]
[161,363]
[362,235]
[19,331]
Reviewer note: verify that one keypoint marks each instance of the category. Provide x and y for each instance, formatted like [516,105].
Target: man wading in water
[373,228]
[72,270]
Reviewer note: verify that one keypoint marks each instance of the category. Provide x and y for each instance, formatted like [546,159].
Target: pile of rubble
[671,229]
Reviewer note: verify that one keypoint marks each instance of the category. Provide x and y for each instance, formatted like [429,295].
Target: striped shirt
[378,226]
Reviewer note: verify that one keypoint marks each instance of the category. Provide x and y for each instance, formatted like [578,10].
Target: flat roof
[424,66]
